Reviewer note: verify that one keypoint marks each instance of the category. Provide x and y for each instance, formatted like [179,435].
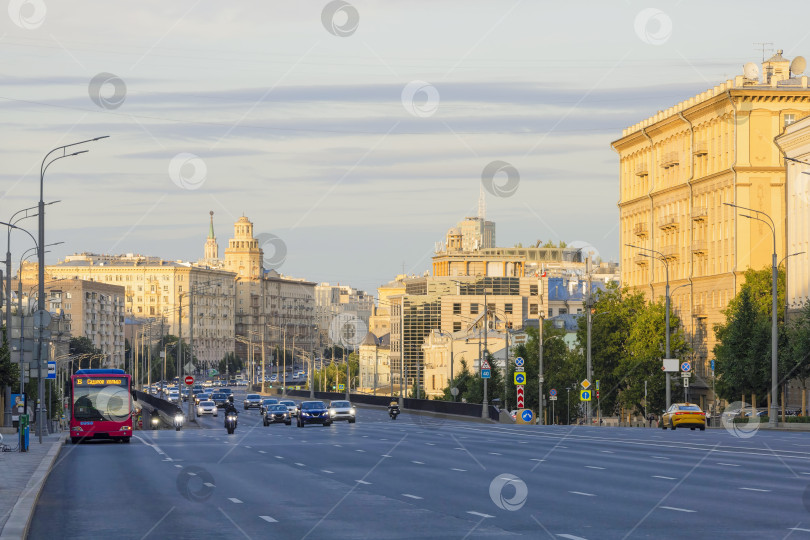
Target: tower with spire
[211,248]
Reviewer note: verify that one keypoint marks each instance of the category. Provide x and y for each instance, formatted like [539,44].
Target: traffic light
[597,394]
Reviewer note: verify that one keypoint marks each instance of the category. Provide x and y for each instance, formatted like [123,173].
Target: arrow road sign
[519,397]
[520,378]
[519,361]
[527,415]
[584,395]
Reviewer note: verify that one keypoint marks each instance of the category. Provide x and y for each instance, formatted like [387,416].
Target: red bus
[100,405]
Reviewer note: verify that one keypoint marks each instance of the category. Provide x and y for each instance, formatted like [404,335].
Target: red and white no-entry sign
[189,380]
[520,397]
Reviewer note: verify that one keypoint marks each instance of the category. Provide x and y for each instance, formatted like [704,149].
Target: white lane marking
[798,529]
[608,452]
[662,477]
[495,454]
[571,537]
[582,493]
[459,448]
[363,482]
[594,467]
[479,514]
[262,452]
[338,445]
[418,462]
[728,464]
[327,472]
[191,473]
[384,455]
[179,466]
[430,444]
[805,473]
[659,457]
[459,470]
[268,519]
[279,457]
[756,489]
[234,500]
[560,446]
[359,450]
[677,509]
[383,439]
[411,496]
[209,484]
[523,442]
[536,459]
[246,446]
[300,464]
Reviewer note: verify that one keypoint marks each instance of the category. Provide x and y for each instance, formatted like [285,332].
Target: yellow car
[683,415]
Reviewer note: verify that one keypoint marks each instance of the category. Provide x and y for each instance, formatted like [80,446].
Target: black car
[313,412]
[220,399]
[276,414]
[266,402]
[253,401]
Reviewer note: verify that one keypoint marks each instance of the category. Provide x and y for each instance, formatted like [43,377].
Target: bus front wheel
[74,440]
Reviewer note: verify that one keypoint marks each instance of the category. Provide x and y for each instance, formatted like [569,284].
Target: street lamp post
[540,378]
[774,337]
[660,256]
[41,269]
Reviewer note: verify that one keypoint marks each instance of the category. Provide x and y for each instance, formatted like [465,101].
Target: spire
[482,204]
[211,227]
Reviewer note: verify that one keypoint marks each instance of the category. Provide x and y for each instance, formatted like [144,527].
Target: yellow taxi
[683,415]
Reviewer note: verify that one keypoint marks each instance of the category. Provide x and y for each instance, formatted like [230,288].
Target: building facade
[679,168]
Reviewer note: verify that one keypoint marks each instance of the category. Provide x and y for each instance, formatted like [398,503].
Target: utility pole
[540,377]
[264,327]
[486,331]
[589,315]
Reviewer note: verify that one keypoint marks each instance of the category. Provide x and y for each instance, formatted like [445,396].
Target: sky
[352,134]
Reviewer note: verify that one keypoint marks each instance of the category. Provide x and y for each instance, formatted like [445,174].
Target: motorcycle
[393,412]
[178,422]
[155,421]
[230,423]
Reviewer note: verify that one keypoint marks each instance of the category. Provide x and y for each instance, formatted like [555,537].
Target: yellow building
[679,167]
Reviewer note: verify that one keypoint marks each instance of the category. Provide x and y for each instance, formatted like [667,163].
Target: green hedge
[788,420]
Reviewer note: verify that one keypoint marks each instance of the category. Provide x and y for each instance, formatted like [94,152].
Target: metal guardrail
[165,409]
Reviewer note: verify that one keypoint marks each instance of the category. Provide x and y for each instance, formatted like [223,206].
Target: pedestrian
[651,418]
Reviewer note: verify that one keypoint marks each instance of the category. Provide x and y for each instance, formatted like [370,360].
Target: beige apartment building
[375,364]
[679,167]
[157,290]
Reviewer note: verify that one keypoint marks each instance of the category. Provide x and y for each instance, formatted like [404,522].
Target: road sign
[520,378]
[51,370]
[686,366]
[486,374]
[712,365]
[341,387]
[485,365]
[42,318]
[584,395]
[213,372]
[686,382]
[189,367]
[597,384]
[552,392]
[519,397]
[553,398]
[526,415]
[586,384]
[520,369]
[519,361]
[670,365]
[189,380]
[454,391]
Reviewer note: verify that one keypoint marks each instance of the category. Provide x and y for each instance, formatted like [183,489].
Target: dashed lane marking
[479,514]
[582,493]
[756,489]
[234,500]
[677,509]
[662,477]
[411,496]
[268,519]
[594,467]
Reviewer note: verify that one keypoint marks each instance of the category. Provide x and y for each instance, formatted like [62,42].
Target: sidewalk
[22,477]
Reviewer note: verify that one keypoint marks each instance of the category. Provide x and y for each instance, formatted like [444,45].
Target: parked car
[342,410]
[683,415]
[207,407]
[313,412]
[253,401]
[276,414]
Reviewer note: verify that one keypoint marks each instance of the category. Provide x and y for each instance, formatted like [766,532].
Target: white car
[342,410]
[207,407]
[291,406]
[174,396]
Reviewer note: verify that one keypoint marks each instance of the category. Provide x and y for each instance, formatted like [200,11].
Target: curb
[19,521]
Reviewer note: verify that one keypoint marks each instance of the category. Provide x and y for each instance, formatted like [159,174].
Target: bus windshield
[101,399]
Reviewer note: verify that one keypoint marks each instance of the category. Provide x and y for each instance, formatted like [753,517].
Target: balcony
[641,260]
[699,311]
[640,230]
[700,214]
[699,247]
[701,148]
[670,252]
[670,159]
[668,222]
[642,169]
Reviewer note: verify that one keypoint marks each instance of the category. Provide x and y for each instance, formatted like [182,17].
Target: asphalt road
[419,477]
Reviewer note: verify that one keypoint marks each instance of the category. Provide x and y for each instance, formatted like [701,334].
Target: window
[789,119]
[507,308]
[533,309]
[456,308]
[457,326]
[491,307]
[563,311]
[550,312]
[532,290]
[474,309]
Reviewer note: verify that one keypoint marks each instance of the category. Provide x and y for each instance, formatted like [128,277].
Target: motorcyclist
[230,409]
[393,406]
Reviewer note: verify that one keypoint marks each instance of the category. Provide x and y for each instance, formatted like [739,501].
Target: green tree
[9,372]
[798,357]
[742,353]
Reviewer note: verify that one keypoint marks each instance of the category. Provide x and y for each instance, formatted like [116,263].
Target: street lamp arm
[63,148]
[20,228]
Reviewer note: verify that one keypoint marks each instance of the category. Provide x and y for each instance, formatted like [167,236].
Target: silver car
[207,407]
[291,406]
[342,410]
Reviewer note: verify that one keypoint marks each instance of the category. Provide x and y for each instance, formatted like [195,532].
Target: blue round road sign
[552,392]
[686,366]
[519,361]
[527,415]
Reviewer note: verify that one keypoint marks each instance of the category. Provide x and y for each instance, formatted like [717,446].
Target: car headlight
[353,411]
[179,419]
[332,412]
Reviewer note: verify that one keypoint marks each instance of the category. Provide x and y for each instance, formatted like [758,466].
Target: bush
[788,420]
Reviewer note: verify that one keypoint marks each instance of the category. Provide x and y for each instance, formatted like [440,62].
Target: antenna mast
[482,204]
[763,45]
